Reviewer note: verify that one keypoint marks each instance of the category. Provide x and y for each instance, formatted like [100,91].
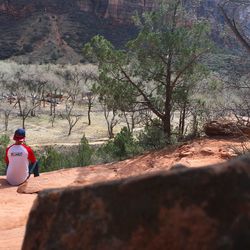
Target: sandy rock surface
[204,208]
[16,202]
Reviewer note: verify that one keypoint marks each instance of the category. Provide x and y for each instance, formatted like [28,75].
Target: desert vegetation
[159,90]
[173,68]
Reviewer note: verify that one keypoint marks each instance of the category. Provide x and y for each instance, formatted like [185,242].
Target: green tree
[166,52]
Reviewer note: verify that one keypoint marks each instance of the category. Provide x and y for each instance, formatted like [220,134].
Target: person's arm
[34,167]
[31,155]
[6,158]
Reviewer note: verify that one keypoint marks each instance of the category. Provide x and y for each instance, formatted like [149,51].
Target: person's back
[18,158]
[18,166]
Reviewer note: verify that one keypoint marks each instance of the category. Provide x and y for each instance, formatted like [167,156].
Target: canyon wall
[56,30]
[119,10]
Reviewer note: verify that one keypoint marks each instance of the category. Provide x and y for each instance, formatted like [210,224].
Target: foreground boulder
[203,208]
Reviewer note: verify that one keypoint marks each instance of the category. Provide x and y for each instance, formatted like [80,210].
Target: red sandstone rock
[226,128]
[204,208]
[207,151]
[15,206]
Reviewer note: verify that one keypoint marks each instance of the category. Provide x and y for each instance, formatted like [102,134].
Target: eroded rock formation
[226,128]
[27,26]
[116,9]
[192,209]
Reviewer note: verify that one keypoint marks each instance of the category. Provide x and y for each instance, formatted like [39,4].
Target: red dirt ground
[16,202]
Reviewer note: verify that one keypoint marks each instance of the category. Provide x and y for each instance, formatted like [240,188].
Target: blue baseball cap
[19,135]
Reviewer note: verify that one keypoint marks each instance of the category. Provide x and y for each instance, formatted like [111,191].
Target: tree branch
[231,23]
[149,103]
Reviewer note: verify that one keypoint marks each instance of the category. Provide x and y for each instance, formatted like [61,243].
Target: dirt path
[68,144]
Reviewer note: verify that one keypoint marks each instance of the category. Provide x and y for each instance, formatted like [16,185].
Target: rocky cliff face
[119,10]
[55,30]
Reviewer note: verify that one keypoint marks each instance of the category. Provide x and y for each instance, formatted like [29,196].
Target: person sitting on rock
[20,159]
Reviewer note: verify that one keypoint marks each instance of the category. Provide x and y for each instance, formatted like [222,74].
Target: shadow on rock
[4,183]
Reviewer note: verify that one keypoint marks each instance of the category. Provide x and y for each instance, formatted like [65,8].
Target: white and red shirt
[18,158]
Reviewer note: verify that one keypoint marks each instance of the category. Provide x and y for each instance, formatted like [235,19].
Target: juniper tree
[163,56]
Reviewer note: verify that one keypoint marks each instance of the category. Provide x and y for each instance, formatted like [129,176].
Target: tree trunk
[20,107]
[53,120]
[195,125]
[43,98]
[183,119]
[179,127]
[70,129]
[51,107]
[23,121]
[110,130]
[132,122]
[33,113]
[168,97]
[89,111]
[166,120]
[54,108]
[167,126]
[127,122]
[54,103]
[6,120]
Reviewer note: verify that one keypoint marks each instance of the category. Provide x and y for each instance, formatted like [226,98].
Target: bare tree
[7,110]
[237,16]
[23,87]
[71,116]
[111,117]
[74,81]
[53,95]
[90,101]
[232,11]
[91,78]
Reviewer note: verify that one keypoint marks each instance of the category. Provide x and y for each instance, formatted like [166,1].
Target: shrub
[50,159]
[242,149]
[152,136]
[85,153]
[104,153]
[4,141]
[125,145]
[121,147]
